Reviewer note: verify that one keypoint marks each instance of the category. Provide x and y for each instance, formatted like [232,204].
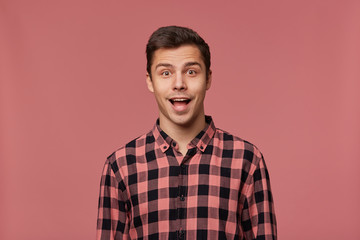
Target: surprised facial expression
[179,83]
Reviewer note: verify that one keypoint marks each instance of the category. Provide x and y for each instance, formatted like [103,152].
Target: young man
[185,179]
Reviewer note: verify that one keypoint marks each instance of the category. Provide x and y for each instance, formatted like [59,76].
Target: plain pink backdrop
[286,76]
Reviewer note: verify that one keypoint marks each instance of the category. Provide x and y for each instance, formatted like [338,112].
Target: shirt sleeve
[113,218]
[258,215]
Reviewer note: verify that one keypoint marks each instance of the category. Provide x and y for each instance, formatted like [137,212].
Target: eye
[165,73]
[191,72]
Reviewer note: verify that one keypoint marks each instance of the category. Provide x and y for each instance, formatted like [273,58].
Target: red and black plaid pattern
[219,190]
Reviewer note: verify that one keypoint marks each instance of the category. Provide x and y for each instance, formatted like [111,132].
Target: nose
[179,82]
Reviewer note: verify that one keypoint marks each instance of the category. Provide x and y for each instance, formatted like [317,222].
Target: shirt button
[182,197]
[202,147]
[181,234]
[174,144]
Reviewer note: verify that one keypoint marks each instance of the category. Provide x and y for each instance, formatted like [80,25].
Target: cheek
[200,89]
[160,96]
[161,88]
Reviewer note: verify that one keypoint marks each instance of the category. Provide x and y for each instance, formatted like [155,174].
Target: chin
[181,121]
[184,121]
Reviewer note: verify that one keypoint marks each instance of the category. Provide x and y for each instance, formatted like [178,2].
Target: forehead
[178,56]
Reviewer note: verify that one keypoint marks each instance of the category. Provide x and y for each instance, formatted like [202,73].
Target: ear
[149,83]
[208,80]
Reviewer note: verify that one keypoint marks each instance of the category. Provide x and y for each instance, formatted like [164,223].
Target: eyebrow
[188,64]
[164,65]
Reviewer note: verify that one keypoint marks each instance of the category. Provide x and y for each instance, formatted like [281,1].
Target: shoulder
[245,155]
[131,147]
[124,158]
[248,150]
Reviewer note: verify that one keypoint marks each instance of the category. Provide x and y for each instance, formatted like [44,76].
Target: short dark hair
[175,36]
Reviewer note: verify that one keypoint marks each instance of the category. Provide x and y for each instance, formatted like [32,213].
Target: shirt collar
[200,141]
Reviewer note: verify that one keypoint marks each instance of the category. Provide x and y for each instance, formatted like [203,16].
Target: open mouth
[180,104]
[179,101]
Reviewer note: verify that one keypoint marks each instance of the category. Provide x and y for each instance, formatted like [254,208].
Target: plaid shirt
[220,189]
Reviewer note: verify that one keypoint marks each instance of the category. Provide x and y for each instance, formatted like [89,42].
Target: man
[185,179]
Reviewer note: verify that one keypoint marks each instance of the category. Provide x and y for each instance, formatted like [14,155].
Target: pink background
[286,76]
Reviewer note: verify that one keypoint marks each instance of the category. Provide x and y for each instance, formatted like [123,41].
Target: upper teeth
[179,100]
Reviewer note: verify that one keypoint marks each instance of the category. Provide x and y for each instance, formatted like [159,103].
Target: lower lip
[180,106]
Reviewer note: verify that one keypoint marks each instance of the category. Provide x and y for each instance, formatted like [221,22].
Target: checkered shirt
[220,189]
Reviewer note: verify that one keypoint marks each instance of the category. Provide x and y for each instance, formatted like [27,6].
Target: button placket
[181,201]
[182,192]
